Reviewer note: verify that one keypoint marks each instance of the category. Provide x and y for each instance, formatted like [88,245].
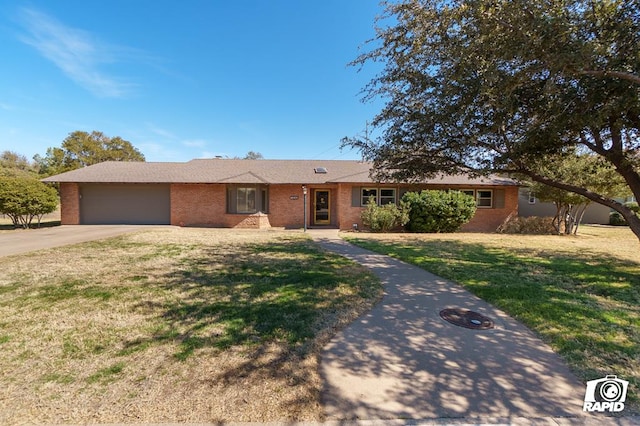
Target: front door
[322,207]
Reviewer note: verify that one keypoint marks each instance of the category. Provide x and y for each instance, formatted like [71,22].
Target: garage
[130,204]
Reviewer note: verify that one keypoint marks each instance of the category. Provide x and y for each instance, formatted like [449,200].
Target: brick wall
[285,211]
[347,215]
[485,219]
[205,205]
[488,220]
[69,204]
[198,204]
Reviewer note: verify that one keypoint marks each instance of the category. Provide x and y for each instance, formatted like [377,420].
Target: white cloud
[77,53]
[195,143]
[159,131]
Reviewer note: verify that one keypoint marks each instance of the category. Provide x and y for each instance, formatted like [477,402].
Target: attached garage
[131,204]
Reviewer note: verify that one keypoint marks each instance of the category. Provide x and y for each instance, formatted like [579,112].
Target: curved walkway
[402,361]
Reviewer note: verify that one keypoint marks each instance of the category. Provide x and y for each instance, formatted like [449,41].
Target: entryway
[321,207]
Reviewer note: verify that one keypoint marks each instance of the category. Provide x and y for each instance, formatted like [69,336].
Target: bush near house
[616,218]
[534,225]
[384,218]
[438,211]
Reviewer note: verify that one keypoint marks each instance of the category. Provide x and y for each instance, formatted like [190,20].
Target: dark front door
[322,207]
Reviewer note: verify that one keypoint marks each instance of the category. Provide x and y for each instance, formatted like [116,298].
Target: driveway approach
[22,241]
[402,361]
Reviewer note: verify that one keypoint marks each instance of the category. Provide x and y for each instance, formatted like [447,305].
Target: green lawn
[579,294]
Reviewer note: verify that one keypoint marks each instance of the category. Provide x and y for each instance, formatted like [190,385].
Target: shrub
[384,218]
[616,219]
[438,211]
[22,198]
[633,206]
[533,225]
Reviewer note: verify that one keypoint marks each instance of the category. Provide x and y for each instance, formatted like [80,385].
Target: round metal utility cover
[467,319]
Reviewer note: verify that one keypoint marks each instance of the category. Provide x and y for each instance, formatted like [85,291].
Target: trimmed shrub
[438,211]
[533,225]
[384,218]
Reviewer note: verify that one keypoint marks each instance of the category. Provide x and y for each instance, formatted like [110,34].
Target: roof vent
[320,170]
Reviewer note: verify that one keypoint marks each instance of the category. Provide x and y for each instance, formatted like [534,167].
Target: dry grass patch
[172,325]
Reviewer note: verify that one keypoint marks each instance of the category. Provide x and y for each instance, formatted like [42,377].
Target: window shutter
[498,195]
[355,196]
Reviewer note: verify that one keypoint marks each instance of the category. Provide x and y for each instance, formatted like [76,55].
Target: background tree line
[23,197]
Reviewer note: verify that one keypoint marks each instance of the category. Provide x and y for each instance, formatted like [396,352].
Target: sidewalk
[402,361]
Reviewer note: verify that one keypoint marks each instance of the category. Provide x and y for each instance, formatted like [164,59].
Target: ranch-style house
[255,194]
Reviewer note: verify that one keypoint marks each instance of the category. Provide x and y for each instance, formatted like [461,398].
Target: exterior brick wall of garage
[69,203]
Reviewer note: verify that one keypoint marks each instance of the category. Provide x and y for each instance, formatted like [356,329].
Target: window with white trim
[532,197]
[381,196]
[484,198]
[387,196]
[366,193]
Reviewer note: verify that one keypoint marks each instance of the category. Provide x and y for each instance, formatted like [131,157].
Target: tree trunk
[628,214]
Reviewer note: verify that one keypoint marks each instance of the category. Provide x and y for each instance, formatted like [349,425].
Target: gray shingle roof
[243,171]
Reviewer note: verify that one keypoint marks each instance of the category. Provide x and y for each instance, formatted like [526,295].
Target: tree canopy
[486,86]
[81,149]
[12,163]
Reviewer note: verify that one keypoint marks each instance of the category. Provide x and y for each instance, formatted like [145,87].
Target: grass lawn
[580,294]
[172,325]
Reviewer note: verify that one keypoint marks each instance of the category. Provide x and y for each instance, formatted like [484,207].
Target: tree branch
[613,74]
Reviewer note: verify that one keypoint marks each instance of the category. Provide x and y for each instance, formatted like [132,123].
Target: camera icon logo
[606,394]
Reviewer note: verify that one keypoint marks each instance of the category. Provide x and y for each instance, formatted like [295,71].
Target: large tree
[82,149]
[486,86]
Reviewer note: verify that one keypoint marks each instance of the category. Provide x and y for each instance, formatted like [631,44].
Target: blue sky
[186,79]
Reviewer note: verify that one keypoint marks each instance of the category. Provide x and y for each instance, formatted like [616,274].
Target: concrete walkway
[402,361]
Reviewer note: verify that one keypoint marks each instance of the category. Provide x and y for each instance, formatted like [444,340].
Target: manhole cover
[466,318]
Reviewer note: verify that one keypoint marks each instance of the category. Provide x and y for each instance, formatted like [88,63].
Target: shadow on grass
[283,292]
[586,306]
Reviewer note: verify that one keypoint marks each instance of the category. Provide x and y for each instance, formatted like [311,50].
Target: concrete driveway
[23,241]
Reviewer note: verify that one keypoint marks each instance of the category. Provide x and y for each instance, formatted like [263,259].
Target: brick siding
[198,205]
[205,205]
[69,204]
[485,219]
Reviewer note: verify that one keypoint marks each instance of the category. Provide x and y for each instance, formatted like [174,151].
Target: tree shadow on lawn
[276,302]
[585,305]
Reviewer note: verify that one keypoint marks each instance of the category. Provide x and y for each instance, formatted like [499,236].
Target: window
[484,198]
[381,196]
[366,193]
[247,199]
[532,198]
[470,192]
[387,196]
